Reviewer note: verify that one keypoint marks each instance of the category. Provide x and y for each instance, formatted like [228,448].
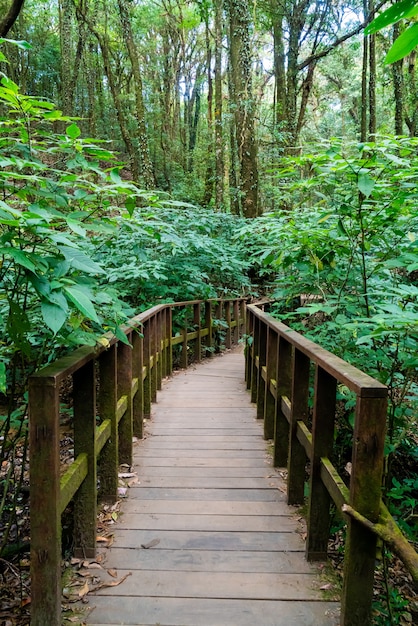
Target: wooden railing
[113,386]
[281,368]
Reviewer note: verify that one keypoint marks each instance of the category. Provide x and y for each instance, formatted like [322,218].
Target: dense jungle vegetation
[162,150]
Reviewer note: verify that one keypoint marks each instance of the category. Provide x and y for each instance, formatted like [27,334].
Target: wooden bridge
[206,536]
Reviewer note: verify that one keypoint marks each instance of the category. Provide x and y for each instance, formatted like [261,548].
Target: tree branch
[8,21]
[319,55]
[387,529]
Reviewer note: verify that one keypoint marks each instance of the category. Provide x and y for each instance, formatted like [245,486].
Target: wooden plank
[192,453]
[149,473]
[259,586]
[225,461]
[252,495]
[206,523]
[207,445]
[194,540]
[207,612]
[206,482]
[215,507]
[208,561]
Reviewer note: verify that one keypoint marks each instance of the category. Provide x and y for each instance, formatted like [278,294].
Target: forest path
[206,535]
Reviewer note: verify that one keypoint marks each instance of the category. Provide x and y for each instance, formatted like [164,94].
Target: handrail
[114,385]
[279,367]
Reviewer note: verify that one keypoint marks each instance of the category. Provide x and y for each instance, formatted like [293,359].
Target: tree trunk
[147,171]
[243,103]
[372,78]
[209,175]
[103,42]
[219,141]
[279,60]
[11,16]
[397,77]
[364,99]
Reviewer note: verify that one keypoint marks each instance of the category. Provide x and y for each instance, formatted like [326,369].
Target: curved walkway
[206,534]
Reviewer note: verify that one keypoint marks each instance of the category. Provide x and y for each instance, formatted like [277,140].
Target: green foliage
[174,252]
[408,40]
[348,258]
[55,195]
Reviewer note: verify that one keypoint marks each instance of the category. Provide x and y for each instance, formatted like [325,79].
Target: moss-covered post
[198,329]
[299,412]
[284,389]
[147,366]
[45,542]
[365,497]
[208,325]
[155,356]
[85,499]
[249,347]
[109,457]
[124,365]
[322,444]
[169,333]
[159,349]
[270,403]
[228,319]
[138,399]
[256,351]
[236,320]
[262,356]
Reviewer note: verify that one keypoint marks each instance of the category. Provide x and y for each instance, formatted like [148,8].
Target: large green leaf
[2,377]
[400,10]
[365,183]
[20,257]
[81,261]
[82,302]
[403,45]
[53,315]
[73,131]
[24,45]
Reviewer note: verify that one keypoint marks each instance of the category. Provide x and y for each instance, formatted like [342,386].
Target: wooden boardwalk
[206,534]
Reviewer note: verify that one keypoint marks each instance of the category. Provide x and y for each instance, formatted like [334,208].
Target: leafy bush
[350,253]
[174,252]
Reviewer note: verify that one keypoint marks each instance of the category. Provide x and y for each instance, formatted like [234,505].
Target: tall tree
[147,170]
[243,106]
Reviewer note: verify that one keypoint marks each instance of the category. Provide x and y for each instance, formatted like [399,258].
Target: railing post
[163,343]
[45,503]
[147,365]
[158,352]
[124,381]
[284,390]
[270,402]
[109,457]
[184,360]
[228,339]
[236,320]
[169,334]
[249,347]
[255,352]
[322,443]
[299,412]
[261,373]
[85,500]
[154,355]
[365,497]
[208,325]
[138,398]
[218,317]
[198,327]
